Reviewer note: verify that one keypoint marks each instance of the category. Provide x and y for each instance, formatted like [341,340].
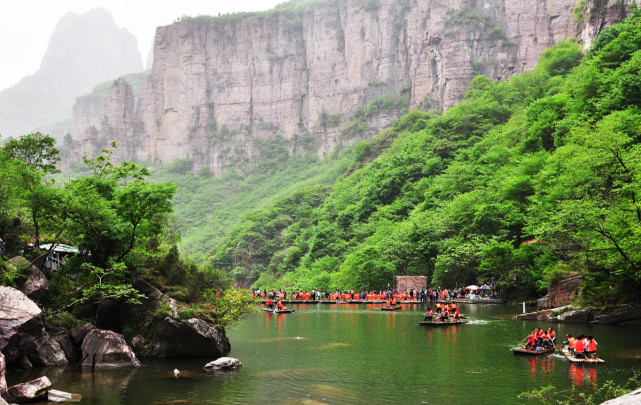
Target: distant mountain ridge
[83,50]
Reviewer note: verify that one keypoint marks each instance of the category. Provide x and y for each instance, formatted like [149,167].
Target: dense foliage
[527,181]
[120,221]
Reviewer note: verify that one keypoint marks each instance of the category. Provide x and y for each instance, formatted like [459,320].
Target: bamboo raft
[441,323]
[391,307]
[523,350]
[278,311]
[591,360]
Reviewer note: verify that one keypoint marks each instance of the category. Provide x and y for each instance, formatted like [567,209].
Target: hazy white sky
[26,25]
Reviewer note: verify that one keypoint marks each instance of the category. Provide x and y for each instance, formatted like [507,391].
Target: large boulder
[22,332]
[194,337]
[105,348]
[172,336]
[35,285]
[71,341]
[27,392]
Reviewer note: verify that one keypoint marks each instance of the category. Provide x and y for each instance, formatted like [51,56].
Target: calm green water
[352,354]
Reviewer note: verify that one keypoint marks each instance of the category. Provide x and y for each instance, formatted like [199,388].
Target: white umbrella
[472,287]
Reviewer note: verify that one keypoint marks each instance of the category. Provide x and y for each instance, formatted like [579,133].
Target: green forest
[524,183]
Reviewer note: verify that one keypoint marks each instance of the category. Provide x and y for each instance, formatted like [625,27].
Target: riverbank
[629,314]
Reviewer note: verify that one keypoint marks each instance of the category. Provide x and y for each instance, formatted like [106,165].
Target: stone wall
[406,283]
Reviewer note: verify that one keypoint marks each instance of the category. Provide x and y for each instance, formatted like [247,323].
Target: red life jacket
[592,345]
[579,347]
[571,343]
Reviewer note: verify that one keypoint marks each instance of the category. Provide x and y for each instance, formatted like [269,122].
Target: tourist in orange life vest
[389,302]
[429,315]
[571,344]
[579,348]
[393,301]
[269,303]
[438,307]
[457,315]
[454,306]
[281,307]
[531,341]
[590,349]
[446,315]
[552,335]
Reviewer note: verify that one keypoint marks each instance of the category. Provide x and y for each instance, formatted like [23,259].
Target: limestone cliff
[325,75]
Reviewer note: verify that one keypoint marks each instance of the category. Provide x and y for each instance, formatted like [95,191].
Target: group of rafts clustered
[581,349]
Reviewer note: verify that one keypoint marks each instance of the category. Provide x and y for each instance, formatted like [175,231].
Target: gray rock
[18,316]
[3,402]
[224,363]
[61,396]
[28,391]
[105,348]
[47,352]
[36,283]
[3,370]
[633,398]
[194,337]
[78,335]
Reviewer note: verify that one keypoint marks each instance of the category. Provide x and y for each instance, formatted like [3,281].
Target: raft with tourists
[278,311]
[566,352]
[581,349]
[530,352]
[449,322]
[391,307]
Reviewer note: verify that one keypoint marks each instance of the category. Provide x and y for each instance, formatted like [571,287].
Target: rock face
[561,293]
[83,50]
[22,333]
[221,89]
[27,392]
[104,348]
[406,283]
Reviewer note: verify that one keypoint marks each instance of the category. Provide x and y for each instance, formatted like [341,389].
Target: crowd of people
[422,295]
[540,339]
[582,346]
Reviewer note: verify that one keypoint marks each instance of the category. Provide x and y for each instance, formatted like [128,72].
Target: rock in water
[61,396]
[27,391]
[224,363]
[104,348]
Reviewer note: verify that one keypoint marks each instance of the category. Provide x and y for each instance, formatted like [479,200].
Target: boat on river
[571,358]
[278,311]
[529,352]
[391,307]
[442,323]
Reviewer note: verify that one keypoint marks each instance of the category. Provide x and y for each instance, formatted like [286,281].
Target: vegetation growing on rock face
[526,181]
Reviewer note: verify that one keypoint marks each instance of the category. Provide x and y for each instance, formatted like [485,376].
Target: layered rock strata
[223,88]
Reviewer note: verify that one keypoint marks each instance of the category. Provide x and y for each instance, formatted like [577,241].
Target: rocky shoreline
[629,314]
[26,340]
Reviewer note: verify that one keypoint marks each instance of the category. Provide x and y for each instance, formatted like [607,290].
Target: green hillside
[525,182]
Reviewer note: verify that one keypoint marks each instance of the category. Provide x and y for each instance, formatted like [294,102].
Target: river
[352,354]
